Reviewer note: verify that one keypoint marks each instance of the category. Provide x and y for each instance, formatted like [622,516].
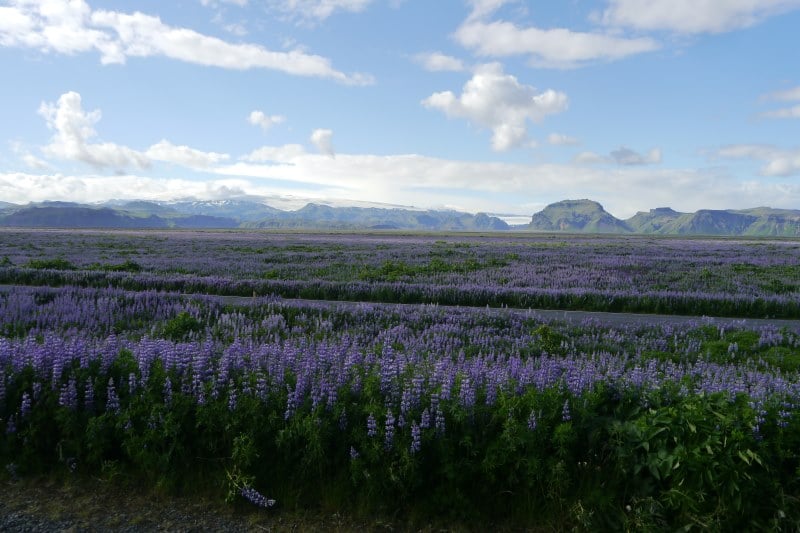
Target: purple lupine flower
[11,426]
[167,392]
[466,394]
[416,438]
[425,419]
[532,420]
[25,406]
[439,422]
[132,383]
[112,400]
[389,429]
[372,426]
[353,454]
[88,396]
[69,395]
[261,387]
[253,496]
[565,414]
[231,396]
[290,403]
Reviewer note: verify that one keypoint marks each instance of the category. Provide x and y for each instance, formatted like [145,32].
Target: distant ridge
[587,216]
[239,213]
[566,216]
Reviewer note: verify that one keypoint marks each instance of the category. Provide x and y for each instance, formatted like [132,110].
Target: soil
[94,505]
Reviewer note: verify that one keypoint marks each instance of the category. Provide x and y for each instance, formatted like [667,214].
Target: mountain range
[567,216]
[587,216]
[239,213]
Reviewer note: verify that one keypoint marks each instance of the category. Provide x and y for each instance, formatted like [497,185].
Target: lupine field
[125,356]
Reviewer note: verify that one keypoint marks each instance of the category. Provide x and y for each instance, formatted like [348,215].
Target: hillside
[573,216]
[760,221]
[239,213]
[587,216]
[653,221]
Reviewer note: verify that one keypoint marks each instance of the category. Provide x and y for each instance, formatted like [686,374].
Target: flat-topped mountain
[577,216]
[654,220]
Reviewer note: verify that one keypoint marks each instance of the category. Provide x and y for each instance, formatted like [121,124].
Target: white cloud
[261,119]
[213,3]
[481,186]
[693,16]
[323,140]
[74,132]
[236,29]
[777,161]
[484,8]
[590,158]
[317,10]
[184,156]
[72,27]
[19,187]
[74,129]
[626,156]
[35,163]
[786,112]
[497,101]
[275,154]
[398,179]
[30,160]
[557,47]
[438,62]
[622,156]
[559,139]
[53,26]
[789,95]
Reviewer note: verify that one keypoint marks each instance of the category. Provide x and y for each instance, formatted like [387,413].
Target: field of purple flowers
[417,412]
[694,276]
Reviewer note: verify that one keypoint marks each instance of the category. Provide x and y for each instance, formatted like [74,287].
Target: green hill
[576,216]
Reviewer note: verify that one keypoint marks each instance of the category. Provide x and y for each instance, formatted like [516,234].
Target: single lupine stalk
[416,438]
[112,400]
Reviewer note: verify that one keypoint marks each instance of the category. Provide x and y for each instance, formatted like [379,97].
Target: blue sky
[500,106]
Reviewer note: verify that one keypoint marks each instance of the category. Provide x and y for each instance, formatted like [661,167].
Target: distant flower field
[108,370]
[727,277]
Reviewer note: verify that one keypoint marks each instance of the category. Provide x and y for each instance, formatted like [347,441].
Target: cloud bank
[54,26]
